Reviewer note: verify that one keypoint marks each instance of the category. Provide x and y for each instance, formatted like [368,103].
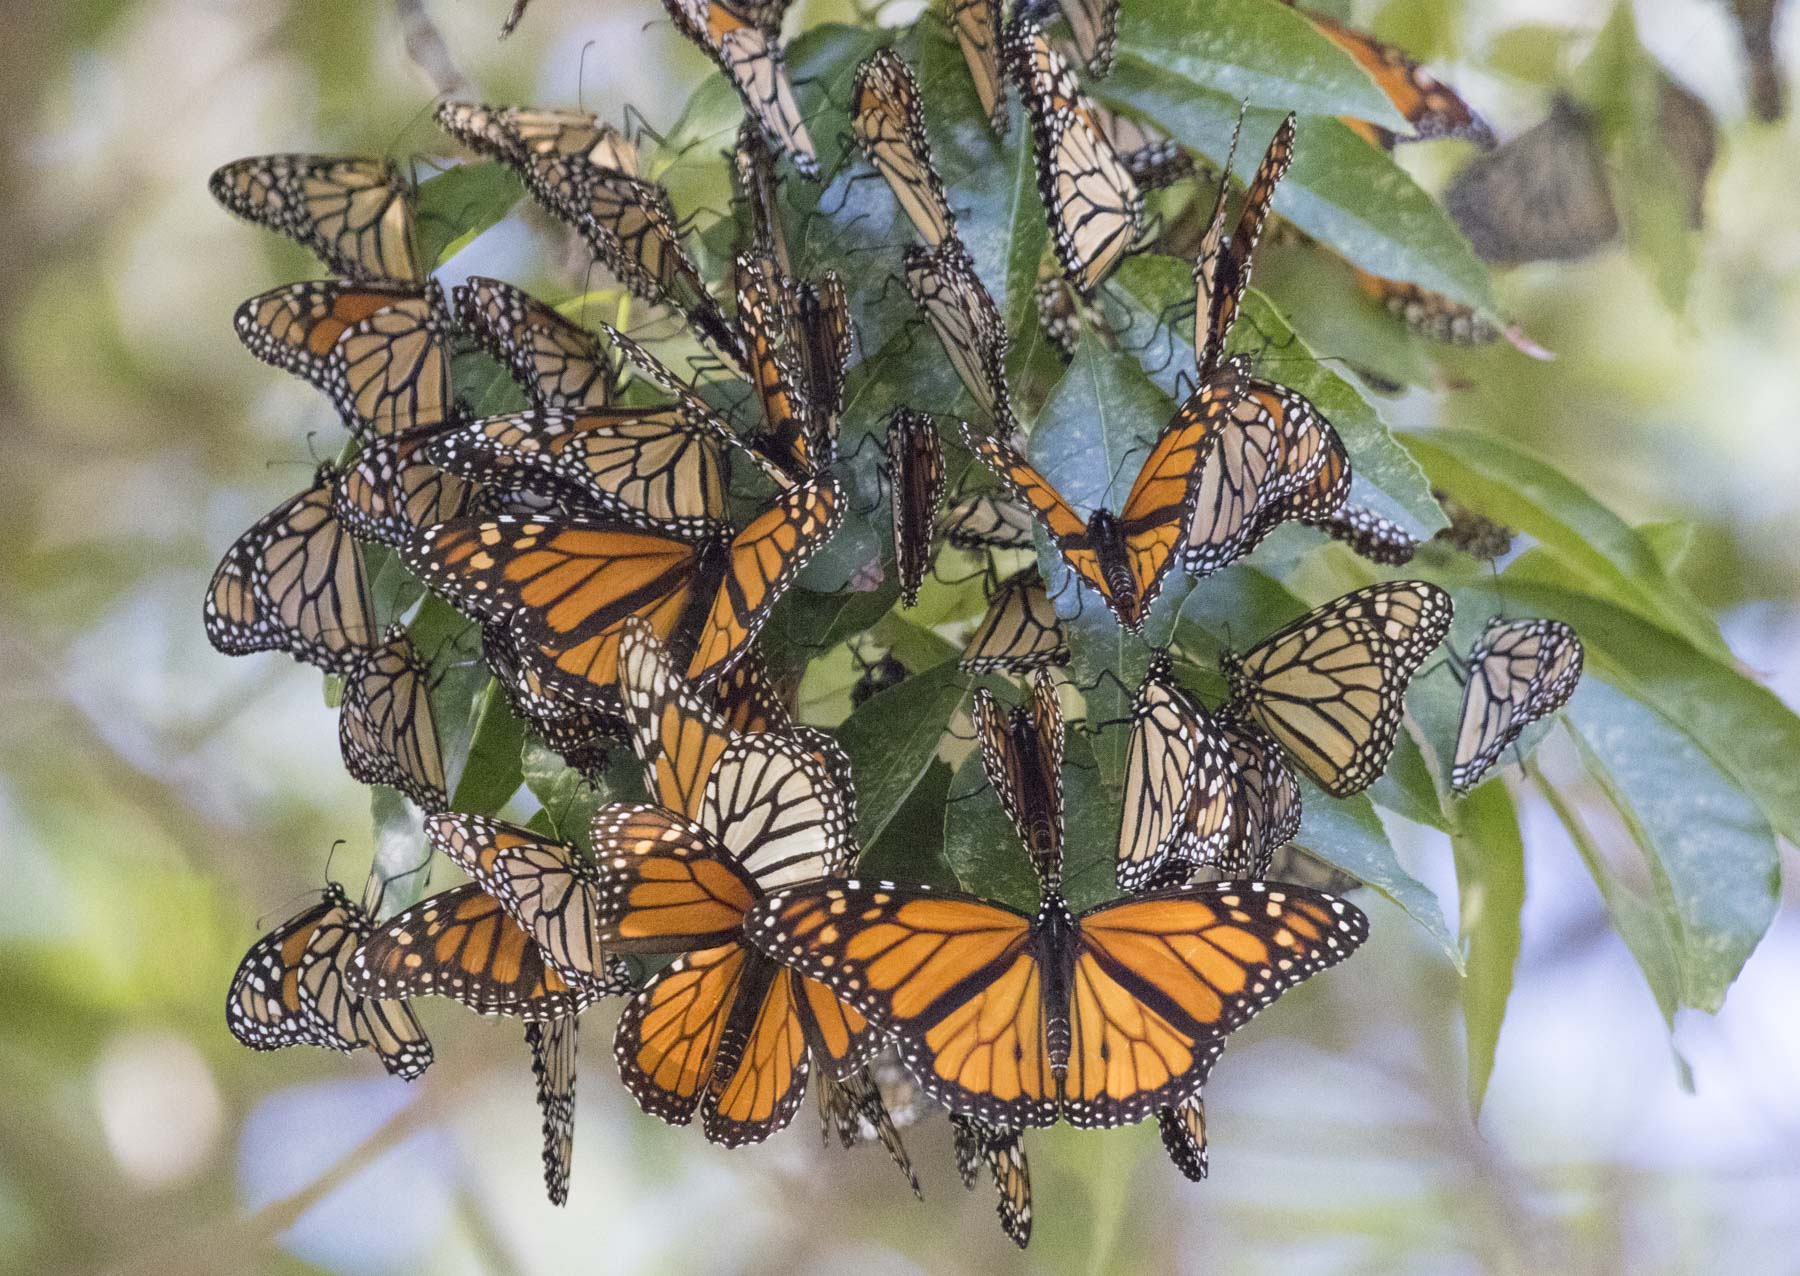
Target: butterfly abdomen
[1106,535]
[1055,934]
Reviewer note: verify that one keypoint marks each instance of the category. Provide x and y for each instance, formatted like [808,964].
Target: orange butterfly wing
[665,885]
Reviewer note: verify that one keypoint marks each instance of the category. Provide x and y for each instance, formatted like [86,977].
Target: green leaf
[1340,190]
[1348,834]
[1739,725]
[1490,879]
[459,203]
[401,855]
[1711,854]
[911,847]
[912,645]
[892,738]
[1384,474]
[1642,924]
[569,800]
[495,768]
[1250,50]
[1608,555]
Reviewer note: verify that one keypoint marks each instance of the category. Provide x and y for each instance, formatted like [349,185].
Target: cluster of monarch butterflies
[619,545]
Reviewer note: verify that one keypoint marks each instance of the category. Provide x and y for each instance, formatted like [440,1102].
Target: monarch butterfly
[586,174]
[1095,207]
[1329,687]
[1099,1018]
[1755,21]
[557,363]
[1430,314]
[1059,310]
[1544,196]
[758,187]
[743,39]
[378,351]
[749,699]
[292,989]
[1152,157]
[1374,536]
[1240,836]
[1002,1150]
[1095,26]
[552,1044]
[1432,108]
[853,1110]
[1180,781]
[294,582]
[1470,532]
[355,214]
[1022,756]
[1184,1136]
[977,27]
[722,1029]
[1020,631]
[392,488]
[1124,556]
[524,136]
[385,728]
[915,465]
[887,119]
[1520,671]
[462,944]
[796,338]
[959,308]
[883,675]
[582,736]
[1222,271]
[985,521]
[1276,458]
[660,468]
[565,587]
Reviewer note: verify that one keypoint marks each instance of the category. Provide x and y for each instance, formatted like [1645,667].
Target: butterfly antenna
[637,127]
[581,74]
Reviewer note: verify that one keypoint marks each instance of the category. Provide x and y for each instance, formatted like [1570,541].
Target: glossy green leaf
[1741,726]
[1711,854]
[911,846]
[1490,880]
[461,202]
[494,769]
[1250,50]
[1348,834]
[1610,556]
[1340,190]
[891,740]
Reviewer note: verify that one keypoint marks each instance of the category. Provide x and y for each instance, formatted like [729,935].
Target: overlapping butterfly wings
[1154,986]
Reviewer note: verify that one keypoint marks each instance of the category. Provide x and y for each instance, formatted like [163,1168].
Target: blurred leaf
[1671,542]
[1531,51]
[892,738]
[1408,788]
[1623,87]
[1384,475]
[1426,29]
[1348,834]
[1340,190]
[1712,857]
[461,202]
[1512,487]
[1490,879]
[911,846]
[495,768]
[1741,726]
[1106,663]
[1249,49]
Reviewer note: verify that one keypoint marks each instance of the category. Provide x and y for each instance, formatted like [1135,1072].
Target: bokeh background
[158,801]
